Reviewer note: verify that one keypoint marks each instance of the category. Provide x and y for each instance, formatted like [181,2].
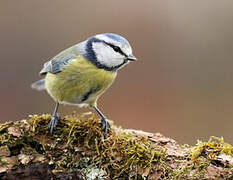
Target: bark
[78,149]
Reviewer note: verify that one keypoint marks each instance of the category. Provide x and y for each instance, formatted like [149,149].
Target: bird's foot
[53,123]
[105,125]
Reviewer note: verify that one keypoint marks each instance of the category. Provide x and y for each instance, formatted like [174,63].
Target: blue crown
[117,38]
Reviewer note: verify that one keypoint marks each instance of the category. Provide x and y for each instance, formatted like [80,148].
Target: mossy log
[78,149]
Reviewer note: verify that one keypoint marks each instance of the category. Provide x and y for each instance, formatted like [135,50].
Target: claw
[105,125]
[53,123]
[104,122]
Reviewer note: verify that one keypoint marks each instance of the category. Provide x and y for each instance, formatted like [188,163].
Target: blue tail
[39,85]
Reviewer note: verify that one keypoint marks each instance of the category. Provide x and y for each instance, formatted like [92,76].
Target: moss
[78,144]
[81,139]
[211,148]
[202,156]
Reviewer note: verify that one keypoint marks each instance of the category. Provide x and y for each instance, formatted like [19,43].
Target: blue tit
[81,73]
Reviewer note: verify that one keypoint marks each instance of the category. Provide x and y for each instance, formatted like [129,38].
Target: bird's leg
[54,119]
[104,122]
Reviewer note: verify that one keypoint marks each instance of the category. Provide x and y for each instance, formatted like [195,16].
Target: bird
[80,74]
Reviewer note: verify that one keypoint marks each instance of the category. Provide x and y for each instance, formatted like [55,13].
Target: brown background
[181,86]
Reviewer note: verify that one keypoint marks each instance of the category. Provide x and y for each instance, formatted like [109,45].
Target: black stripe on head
[116,49]
[91,56]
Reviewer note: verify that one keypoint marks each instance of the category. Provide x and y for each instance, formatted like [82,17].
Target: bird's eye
[116,48]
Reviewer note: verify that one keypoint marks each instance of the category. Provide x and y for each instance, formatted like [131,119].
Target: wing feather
[53,66]
[59,62]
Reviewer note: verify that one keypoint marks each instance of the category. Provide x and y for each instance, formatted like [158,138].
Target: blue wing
[60,61]
[53,66]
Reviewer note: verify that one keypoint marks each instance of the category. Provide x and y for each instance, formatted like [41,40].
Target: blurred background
[181,86]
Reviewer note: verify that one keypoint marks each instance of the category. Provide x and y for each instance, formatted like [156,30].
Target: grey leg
[104,121]
[54,119]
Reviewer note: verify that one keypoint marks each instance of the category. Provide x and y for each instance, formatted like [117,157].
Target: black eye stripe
[116,49]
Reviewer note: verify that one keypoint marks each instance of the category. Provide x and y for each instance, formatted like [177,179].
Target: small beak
[131,57]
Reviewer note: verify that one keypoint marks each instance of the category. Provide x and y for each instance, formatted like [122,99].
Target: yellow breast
[80,83]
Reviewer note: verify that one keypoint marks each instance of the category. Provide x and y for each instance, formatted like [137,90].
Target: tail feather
[39,85]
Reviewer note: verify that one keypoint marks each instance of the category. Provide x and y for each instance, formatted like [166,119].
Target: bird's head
[108,51]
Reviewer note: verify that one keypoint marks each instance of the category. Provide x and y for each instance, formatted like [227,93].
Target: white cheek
[107,56]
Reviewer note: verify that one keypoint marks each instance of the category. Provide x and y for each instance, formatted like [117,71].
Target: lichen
[92,173]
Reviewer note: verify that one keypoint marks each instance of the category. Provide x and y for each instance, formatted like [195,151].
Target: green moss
[202,156]
[78,144]
[82,141]
[211,148]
